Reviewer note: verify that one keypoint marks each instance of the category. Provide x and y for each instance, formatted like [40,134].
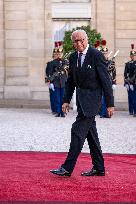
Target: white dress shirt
[83,55]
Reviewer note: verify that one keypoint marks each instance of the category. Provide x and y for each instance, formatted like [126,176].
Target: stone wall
[25,48]
[1,50]
[16,50]
[26,42]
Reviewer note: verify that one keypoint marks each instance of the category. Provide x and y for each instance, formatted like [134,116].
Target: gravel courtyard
[39,130]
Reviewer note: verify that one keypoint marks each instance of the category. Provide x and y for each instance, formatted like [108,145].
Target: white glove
[132,87]
[113,86]
[127,86]
[51,86]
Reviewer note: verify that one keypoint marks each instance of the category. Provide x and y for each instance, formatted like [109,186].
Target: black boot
[58,115]
[62,115]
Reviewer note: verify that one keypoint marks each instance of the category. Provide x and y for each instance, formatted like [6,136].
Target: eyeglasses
[78,40]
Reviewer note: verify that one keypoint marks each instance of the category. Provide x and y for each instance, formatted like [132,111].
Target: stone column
[48,30]
[1,49]
[16,52]
[93,14]
[36,53]
[125,33]
[104,20]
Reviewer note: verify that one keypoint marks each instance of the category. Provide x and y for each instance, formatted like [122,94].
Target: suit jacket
[52,67]
[90,80]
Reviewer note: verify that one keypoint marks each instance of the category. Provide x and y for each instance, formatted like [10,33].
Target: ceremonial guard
[130,81]
[57,81]
[48,72]
[112,73]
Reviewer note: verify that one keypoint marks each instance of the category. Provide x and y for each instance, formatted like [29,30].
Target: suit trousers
[83,128]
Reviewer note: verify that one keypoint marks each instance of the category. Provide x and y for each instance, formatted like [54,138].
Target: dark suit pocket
[89,73]
[89,67]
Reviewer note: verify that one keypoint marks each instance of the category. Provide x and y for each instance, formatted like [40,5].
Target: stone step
[44,104]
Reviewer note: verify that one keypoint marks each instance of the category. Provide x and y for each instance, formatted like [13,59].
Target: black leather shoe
[104,116]
[60,172]
[57,115]
[54,113]
[93,172]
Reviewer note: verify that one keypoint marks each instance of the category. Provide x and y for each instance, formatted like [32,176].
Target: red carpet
[24,176]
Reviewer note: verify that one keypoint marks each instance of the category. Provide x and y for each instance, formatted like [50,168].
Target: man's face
[80,41]
[132,57]
[59,55]
[55,55]
[105,55]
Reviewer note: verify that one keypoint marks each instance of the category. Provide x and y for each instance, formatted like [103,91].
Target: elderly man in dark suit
[88,73]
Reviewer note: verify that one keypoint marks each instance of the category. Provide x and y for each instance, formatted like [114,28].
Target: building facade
[28,29]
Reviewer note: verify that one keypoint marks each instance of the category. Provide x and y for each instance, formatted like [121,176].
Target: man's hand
[110,111]
[65,108]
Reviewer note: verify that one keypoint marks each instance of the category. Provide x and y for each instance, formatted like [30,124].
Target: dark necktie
[79,59]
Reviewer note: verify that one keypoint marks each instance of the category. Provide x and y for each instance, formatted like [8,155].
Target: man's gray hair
[79,31]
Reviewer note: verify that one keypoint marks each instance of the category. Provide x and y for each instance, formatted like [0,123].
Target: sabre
[111,61]
[116,53]
[109,54]
[67,55]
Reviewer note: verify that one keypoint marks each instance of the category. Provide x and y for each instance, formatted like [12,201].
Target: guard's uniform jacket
[133,80]
[128,72]
[132,73]
[58,81]
[130,81]
[112,71]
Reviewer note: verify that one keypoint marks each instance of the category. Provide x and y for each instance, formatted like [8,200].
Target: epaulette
[128,62]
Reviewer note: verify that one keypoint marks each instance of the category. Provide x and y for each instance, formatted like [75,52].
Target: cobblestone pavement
[39,130]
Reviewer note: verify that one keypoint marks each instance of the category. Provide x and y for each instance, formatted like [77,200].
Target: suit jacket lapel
[86,59]
[76,57]
[74,65]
